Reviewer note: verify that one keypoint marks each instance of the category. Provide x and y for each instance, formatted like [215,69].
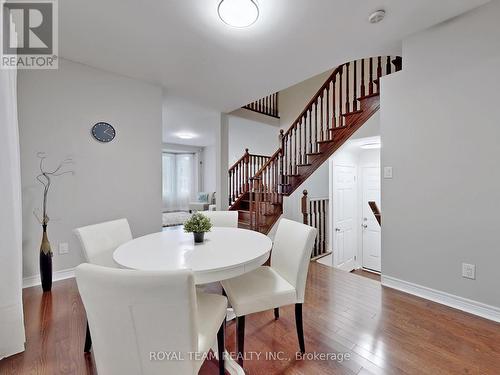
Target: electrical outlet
[469,271]
[63,248]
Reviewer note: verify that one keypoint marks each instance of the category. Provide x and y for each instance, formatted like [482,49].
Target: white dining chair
[283,283]
[150,322]
[223,218]
[99,241]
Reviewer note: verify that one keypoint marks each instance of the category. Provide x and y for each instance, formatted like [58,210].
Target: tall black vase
[45,262]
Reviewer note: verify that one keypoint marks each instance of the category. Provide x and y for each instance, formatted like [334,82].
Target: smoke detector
[377,16]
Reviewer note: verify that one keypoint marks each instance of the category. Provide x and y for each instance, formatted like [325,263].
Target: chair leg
[300,328]
[276,313]
[88,340]
[240,327]
[221,347]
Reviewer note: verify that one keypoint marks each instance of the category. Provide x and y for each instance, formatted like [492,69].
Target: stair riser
[244,216]
[323,147]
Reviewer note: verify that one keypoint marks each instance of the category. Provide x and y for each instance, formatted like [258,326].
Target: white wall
[209,169]
[259,138]
[120,179]
[440,132]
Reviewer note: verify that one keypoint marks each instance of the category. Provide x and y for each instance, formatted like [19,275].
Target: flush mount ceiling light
[185,135]
[370,146]
[377,16]
[238,13]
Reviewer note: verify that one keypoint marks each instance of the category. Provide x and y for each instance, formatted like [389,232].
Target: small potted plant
[198,224]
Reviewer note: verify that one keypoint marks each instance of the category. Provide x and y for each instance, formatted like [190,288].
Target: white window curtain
[179,181]
[11,308]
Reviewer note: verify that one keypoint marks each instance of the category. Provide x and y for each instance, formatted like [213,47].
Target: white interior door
[344,216]
[370,228]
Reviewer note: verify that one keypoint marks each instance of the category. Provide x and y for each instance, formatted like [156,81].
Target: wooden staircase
[347,99]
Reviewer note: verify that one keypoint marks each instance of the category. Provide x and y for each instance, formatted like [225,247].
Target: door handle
[364,226]
[337,229]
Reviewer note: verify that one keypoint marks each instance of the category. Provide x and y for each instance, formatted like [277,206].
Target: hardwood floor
[370,275]
[383,330]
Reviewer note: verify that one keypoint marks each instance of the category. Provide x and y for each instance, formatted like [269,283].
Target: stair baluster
[363,88]
[370,79]
[347,84]
[314,213]
[355,88]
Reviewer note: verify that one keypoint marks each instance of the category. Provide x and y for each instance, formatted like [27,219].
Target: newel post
[304,207]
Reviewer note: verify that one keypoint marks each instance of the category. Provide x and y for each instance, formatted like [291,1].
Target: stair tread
[325,141]
[353,112]
[367,96]
[338,128]
[314,153]
[304,165]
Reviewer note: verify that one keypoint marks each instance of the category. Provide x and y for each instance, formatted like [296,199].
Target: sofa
[203,201]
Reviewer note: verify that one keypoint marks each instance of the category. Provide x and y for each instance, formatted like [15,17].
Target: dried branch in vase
[45,178]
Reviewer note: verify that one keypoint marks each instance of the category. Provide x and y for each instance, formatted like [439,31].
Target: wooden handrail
[239,160]
[240,173]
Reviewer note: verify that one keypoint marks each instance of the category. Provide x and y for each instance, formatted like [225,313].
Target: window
[178,181]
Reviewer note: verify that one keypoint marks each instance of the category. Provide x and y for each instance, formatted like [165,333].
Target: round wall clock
[103,132]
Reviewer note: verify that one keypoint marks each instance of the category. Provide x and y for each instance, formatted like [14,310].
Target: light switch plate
[469,271]
[63,248]
[387,172]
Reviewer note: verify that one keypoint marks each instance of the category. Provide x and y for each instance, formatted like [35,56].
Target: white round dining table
[225,253]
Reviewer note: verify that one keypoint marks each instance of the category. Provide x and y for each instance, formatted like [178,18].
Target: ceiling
[183,46]
[182,116]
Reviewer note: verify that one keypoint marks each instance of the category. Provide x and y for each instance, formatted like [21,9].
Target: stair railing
[240,173]
[323,116]
[326,112]
[315,214]
[264,191]
[268,105]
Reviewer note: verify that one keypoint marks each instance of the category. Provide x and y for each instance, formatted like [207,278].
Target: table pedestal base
[230,365]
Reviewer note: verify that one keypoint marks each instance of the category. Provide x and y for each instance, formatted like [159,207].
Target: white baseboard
[56,276]
[473,307]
